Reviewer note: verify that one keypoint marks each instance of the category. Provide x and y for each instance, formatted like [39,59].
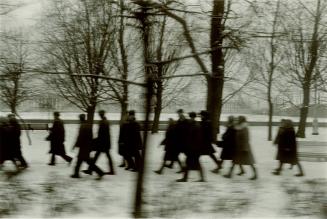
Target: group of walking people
[195,139]
[185,136]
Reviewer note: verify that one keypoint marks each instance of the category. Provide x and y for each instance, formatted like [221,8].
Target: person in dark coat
[243,152]
[84,143]
[193,151]
[130,142]
[228,144]
[6,149]
[287,147]
[103,143]
[57,139]
[14,140]
[170,147]
[181,129]
[207,139]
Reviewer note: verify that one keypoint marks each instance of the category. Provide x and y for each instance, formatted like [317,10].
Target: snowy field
[46,191]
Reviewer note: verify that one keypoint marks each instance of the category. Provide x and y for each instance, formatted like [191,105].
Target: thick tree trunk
[90,113]
[304,113]
[123,111]
[157,112]
[216,80]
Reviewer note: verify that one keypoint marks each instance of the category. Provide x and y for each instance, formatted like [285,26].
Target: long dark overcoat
[14,139]
[170,143]
[130,141]
[228,144]
[206,146]
[243,153]
[57,138]
[103,142]
[84,141]
[194,142]
[287,146]
[182,134]
[6,150]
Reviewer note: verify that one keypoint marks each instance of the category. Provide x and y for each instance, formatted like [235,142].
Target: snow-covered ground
[46,191]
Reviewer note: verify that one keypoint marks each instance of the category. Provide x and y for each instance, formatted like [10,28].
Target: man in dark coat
[170,147]
[14,140]
[102,143]
[207,139]
[287,147]
[57,139]
[243,152]
[6,150]
[84,143]
[193,151]
[130,141]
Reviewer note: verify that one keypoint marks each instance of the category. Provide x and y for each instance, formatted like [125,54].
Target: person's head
[180,113]
[204,115]
[192,115]
[131,115]
[102,113]
[288,123]
[241,120]
[82,117]
[56,114]
[230,121]
[282,122]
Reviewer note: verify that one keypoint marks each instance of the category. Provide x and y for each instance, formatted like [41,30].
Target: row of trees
[91,52]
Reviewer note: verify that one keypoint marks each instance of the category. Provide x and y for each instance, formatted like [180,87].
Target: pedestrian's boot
[51,164]
[159,172]
[228,175]
[100,176]
[216,170]
[276,172]
[75,176]
[241,173]
[255,175]
[110,173]
[89,172]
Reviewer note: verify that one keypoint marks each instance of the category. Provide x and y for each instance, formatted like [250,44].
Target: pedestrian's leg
[130,163]
[201,173]
[300,169]
[94,167]
[229,175]
[137,160]
[67,158]
[53,160]
[255,175]
[241,170]
[22,161]
[78,165]
[162,165]
[279,169]
[96,156]
[123,162]
[110,162]
[213,157]
[184,179]
[180,164]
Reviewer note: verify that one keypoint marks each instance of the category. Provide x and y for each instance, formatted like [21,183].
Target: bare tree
[80,35]
[15,87]
[305,47]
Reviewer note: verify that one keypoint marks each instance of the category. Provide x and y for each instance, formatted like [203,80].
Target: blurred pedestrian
[228,143]
[6,149]
[287,147]
[182,126]
[207,138]
[57,139]
[169,142]
[243,152]
[14,140]
[193,149]
[130,142]
[103,143]
[84,143]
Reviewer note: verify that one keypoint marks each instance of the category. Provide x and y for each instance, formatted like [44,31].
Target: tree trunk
[157,110]
[90,113]
[123,111]
[270,118]
[216,80]
[304,113]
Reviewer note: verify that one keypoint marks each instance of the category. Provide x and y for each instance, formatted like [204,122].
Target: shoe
[51,164]
[276,172]
[133,170]
[181,171]
[215,170]
[128,168]
[181,180]
[110,173]
[299,174]
[122,165]
[70,161]
[157,172]
[200,180]
[227,176]
[87,172]
[75,176]
[254,177]
[241,173]
[99,176]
